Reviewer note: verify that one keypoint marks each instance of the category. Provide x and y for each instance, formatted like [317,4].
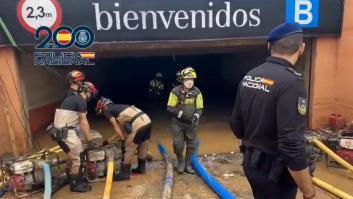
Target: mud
[226,169]
[215,138]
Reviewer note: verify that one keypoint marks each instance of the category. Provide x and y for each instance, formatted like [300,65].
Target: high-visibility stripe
[199,101]
[173,100]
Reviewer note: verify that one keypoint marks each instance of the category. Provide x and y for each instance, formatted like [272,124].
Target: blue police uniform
[269,117]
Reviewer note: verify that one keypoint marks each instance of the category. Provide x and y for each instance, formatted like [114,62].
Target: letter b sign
[303,12]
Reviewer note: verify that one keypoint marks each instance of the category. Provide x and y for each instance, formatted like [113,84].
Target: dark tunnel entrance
[126,80]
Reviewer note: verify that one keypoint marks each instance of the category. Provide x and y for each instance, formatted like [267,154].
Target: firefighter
[72,113]
[156,85]
[185,104]
[131,125]
[75,78]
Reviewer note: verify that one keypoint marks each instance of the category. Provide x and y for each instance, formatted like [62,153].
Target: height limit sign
[33,14]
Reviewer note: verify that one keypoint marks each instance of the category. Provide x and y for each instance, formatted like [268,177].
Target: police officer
[131,125]
[75,78]
[185,104]
[72,113]
[269,117]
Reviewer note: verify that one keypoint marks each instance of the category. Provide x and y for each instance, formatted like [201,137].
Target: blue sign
[64,37]
[303,12]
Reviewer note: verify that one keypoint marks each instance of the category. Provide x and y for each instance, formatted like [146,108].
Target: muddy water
[215,138]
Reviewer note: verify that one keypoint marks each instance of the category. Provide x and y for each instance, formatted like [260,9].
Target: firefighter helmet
[88,87]
[188,73]
[102,104]
[75,76]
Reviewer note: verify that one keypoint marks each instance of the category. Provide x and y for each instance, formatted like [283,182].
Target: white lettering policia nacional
[181,19]
[258,83]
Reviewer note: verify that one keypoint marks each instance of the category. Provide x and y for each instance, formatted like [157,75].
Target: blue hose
[168,182]
[161,149]
[47,180]
[2,193]
[163,152]
[209,180]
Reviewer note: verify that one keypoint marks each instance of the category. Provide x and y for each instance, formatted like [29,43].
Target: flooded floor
[215,138]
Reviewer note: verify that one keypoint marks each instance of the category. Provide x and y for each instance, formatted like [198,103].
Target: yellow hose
[109,180]
[1,180]
[333,155]
[331,189]
[51,149]
[55,149]
[58,151]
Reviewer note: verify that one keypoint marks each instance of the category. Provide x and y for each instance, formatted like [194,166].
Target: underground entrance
[126,80]
[123,73]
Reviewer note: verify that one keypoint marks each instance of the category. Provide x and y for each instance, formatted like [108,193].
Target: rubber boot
[149,157]
[77,184]
[124,174]
[180,163]
[141,167]
[188,167]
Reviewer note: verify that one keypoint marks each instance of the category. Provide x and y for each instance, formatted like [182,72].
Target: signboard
[33,13]
[170,20]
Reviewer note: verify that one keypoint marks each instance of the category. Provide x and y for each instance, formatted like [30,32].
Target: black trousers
[262,187]
[184,134]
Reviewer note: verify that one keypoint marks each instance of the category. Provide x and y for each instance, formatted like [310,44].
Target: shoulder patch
[302,105]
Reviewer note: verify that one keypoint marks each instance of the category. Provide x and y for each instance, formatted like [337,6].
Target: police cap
[284,30]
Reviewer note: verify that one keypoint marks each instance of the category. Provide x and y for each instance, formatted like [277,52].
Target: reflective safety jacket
[156,86]
[190,102]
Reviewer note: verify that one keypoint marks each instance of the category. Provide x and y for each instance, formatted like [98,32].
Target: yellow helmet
[188,73]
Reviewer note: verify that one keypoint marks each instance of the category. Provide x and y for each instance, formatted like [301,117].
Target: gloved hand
[196,119]
[92,144]
[180,114]
[312,155]
[242,148]
[105,143]
[182,97]
[128,128]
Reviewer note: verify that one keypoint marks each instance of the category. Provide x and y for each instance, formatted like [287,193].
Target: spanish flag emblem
[88,55]
[64,37]
[268,82]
